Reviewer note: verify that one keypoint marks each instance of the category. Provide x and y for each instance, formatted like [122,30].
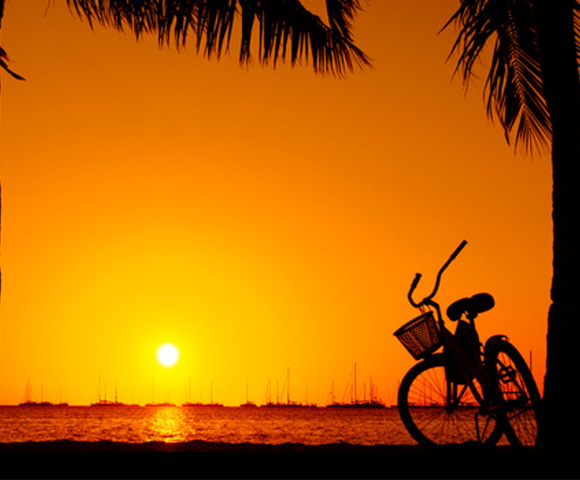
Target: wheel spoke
[428,416]
[519,392]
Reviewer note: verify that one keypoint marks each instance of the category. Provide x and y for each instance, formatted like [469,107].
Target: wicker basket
[420,336]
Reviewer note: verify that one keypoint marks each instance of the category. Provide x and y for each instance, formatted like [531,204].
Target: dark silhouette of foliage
[286,30]
[514,81]
[3,54]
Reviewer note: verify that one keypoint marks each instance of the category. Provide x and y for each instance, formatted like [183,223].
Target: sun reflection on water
[168,424]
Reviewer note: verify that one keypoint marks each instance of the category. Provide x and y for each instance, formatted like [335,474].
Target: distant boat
[248,403]
[374,402]
[108,403]
[371,404]
[103,402]
[42,404]
[199,404]
[289,403]
[28,402]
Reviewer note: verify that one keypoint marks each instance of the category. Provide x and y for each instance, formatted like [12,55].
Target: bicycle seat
[471,307]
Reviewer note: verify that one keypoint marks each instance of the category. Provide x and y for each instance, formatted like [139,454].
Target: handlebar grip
[412,289]
[415,281]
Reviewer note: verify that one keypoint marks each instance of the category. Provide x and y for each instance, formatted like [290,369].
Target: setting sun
[167,355]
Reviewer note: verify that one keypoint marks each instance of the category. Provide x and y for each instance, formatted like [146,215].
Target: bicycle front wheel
[437,412]
[519,390]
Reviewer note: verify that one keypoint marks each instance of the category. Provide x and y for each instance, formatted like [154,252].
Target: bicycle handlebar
[456,252]
[437,281]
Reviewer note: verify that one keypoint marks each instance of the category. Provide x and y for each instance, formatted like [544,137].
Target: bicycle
[468,394]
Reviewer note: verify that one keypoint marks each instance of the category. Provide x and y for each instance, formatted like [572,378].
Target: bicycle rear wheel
[519,390]
[438,413]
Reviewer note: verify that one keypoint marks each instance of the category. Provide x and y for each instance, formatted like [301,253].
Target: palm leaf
[287,30]
[514,82]
[3,54]
[4,65]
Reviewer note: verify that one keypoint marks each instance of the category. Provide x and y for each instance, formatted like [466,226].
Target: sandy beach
[64,459]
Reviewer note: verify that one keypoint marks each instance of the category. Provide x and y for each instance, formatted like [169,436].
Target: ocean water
[308,426]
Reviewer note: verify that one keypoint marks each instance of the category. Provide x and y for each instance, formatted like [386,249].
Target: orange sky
[258,219]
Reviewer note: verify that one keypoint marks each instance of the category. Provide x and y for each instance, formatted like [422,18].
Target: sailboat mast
[28,392]
[288,389]
[355,394]
[189,390]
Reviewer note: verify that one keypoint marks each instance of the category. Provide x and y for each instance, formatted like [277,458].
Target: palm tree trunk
[1,16]
[560,421]
[0,235]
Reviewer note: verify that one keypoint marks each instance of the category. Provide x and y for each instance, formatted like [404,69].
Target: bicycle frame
[469,366]
[476,393]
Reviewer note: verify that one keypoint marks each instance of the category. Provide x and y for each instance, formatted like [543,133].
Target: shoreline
[199,459]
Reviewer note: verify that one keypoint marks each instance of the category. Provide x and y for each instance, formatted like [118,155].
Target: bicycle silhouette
[468,394]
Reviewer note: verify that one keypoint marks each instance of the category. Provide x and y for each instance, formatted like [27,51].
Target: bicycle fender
[491,341]
[490,347]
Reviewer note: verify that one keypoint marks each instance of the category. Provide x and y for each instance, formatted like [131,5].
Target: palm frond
[341,14]
[3,54]
[514,81]
[210,21]
[138,16]
[286,28]
[4,65]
